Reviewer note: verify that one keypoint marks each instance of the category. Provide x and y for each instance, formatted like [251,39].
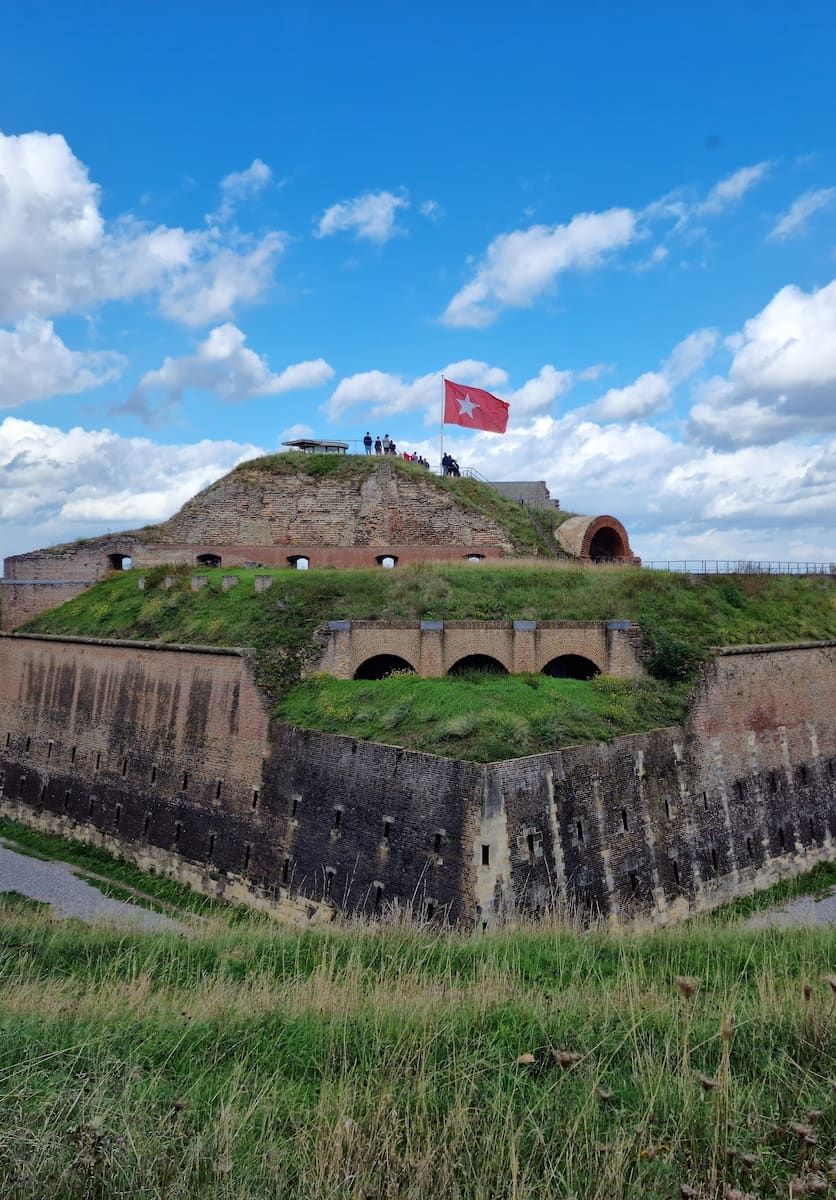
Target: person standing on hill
[378,445]
[367,442]
[387,443]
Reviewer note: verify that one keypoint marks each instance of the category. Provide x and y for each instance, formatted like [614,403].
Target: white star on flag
[466,406]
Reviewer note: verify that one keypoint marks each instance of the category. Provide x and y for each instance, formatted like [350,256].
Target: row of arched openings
[564,666]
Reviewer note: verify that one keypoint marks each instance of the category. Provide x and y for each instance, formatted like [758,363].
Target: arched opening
[387,560]
[571,666]
[119,562]
[606,544]
[380,666]
[478,662]
[208,560]
[300,562]
[474,558]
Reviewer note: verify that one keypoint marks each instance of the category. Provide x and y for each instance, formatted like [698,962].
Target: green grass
[254,1063]
[681,617]
[483,718]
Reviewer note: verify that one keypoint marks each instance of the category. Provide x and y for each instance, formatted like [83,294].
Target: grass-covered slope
[682,617]
[247,1063]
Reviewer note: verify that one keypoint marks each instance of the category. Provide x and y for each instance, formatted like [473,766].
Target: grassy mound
[681,617]
[249,1062]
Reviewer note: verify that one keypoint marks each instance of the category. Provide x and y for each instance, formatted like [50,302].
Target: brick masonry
[169,754]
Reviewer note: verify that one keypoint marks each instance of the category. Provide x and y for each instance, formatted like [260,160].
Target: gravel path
[68,896]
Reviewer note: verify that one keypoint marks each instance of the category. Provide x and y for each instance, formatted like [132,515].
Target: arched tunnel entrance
[478,662]
[571,666]
[607,543]
[382,665]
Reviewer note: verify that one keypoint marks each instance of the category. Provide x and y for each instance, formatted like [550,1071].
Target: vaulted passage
[606,543]
[382,665]
[119,562]
[478,662]
[571,666]
[208,560]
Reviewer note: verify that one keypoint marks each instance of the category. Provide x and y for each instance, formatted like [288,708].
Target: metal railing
[739,566]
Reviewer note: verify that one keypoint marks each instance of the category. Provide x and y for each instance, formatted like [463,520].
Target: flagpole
[442,426]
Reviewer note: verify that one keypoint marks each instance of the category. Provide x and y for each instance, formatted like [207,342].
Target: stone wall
[23,599]
[169,753]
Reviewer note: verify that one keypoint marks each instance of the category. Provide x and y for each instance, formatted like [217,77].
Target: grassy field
[484,718]
[681,617]
[388,1063]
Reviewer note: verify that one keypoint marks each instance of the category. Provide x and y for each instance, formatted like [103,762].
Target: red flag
[474,408]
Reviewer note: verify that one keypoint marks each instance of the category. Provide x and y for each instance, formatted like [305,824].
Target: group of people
[385,445]
[449,466]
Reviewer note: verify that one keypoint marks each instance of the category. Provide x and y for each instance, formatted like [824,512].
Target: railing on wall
[739,566]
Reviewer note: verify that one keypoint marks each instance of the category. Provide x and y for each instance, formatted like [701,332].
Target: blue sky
[222,225]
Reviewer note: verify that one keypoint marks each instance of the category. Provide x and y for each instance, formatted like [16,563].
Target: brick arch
[601,538]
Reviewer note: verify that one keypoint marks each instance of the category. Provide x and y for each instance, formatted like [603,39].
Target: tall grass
[410,1063]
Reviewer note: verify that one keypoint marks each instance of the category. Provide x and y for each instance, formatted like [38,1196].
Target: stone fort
[169,755]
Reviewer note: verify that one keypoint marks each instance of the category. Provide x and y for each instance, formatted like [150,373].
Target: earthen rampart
[169,752]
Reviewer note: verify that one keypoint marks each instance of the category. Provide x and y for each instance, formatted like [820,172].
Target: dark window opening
[606,544]
[429,911]
[831,766]
[378,896]
[805,774]
[486,856]
[218,790]
[153,774]
[90,806]
[43,790]
[208,560]
[634,883]
[28,743]
[117,816]
[738,790]
[49,746]
[387,829]
[98,760]
[119,562]
[211,849]
[381,666]
[285,869]
[530,842]
[247,850]
[571,666]
[705,800]
[178,829]
[67,796]
[667,807]
[749,850]
[9,738]
[338,818]
[330,872]
[438,841]
[713,858]
[185,783]
[675,869]
[781,839]
[72,754]
[388,561]
[300,561]
[294,804]
[124,766]
[773,782]
[625,825]
[483,663]
[579,827]
[255,798]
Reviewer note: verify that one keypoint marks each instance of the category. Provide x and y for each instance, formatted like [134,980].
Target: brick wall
[23,599]
[169,752]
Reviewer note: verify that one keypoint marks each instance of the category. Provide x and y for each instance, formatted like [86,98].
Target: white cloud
[795,219]
[225,366]
[57,485]
[392,395]
[782,377]
[432,210]
[35,364]
[734,187]
[240,185]
[58,253]
[518,266]
[370,216]
[652,391]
